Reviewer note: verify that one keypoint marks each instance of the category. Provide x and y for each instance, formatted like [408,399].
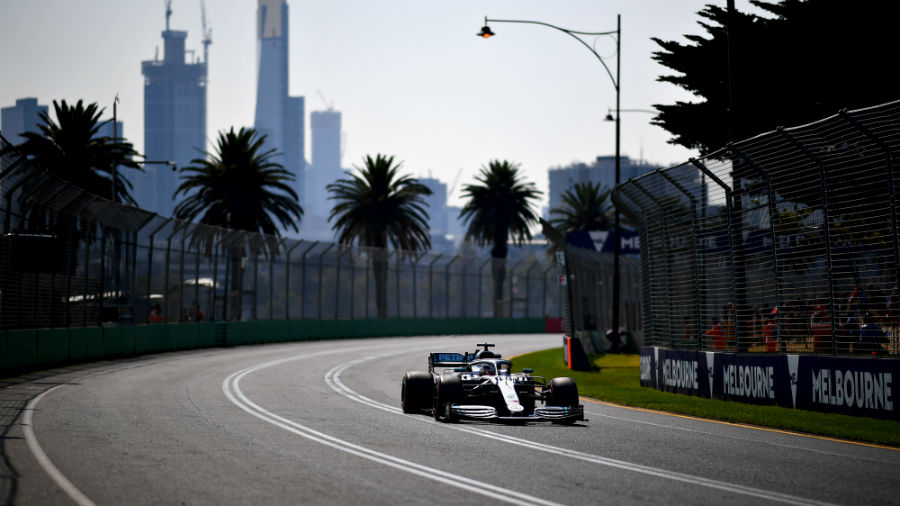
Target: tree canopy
[377,206]
[807,61]
[585,207]
[499,208]
[72,148]
[239,187]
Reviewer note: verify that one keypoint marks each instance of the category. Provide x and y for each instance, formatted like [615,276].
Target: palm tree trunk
[498,270]
[237,280]
[380,271]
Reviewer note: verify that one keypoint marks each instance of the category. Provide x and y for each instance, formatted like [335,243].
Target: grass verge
[617,379]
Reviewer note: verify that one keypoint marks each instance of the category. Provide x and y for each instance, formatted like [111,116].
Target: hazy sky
[410,77]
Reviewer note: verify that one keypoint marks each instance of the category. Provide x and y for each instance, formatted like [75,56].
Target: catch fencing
[70,258]
[786,242]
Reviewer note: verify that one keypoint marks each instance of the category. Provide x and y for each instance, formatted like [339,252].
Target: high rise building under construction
[174,117]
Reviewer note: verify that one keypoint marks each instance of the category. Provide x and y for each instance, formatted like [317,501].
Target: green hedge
[22,350]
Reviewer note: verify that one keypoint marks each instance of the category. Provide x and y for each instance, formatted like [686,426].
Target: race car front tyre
[447,390]
[416,391]
[563,392]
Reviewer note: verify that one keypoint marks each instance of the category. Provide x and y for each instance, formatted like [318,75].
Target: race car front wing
[541,413]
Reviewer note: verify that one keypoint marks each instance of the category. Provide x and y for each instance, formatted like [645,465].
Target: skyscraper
[326,160]
[174,120]
[20,118]
[279,116]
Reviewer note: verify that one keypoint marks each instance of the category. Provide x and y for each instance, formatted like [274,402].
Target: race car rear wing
[447,360]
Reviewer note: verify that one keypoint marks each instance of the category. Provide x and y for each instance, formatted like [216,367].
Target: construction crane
[455,181]
[207,33]
[329,105]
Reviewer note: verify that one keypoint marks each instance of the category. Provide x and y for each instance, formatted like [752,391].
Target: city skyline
[412,81]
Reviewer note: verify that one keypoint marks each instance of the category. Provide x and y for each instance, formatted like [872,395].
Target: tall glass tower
[278,115]
[174,120]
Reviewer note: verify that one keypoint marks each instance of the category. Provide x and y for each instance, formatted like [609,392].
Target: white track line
[231,387]
[44,461]
[332,378]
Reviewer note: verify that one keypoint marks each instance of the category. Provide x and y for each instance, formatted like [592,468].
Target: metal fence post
[512,275]
[181,316]
[695,247]
[447,298]
[337,281]
[826,219]
[195,307]
[321,270]
[303,279]
[430,286]
[165,294]
[544,291]
[215,278]
[528,288]
[666,256]
[772,219]
[287,279]
[729,196]
[480,277]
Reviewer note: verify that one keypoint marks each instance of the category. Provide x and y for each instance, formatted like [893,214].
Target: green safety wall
[23,350]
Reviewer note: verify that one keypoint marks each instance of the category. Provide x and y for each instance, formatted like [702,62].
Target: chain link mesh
[786,242]
[69,258]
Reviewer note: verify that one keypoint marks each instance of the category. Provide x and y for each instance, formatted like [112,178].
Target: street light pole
[617,84]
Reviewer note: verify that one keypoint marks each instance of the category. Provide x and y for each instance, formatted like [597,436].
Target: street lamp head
[485,32]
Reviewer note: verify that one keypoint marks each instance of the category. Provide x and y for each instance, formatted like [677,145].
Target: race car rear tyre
[416,391]
[563,392]
[447,390]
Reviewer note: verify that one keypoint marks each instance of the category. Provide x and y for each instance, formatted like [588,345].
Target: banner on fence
[852,386]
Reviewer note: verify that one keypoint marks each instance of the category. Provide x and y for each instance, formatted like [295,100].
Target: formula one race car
[481,385]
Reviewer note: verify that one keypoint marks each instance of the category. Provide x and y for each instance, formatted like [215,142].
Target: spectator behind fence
[771,331]
[687,334]
[820,323]
[850,333]
[155,315]
[871,336]
[717,335]
[728,326]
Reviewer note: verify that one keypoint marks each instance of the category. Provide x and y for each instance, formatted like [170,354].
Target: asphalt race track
[319,422]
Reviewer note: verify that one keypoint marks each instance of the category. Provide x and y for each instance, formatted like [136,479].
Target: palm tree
[498,208]
[585,207]
[377,207]
[238,187]
[71,149]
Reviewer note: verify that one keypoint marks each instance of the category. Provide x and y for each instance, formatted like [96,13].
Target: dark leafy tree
[497,209]
[239,187]
[585,207]
[377,207]
[807,61]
